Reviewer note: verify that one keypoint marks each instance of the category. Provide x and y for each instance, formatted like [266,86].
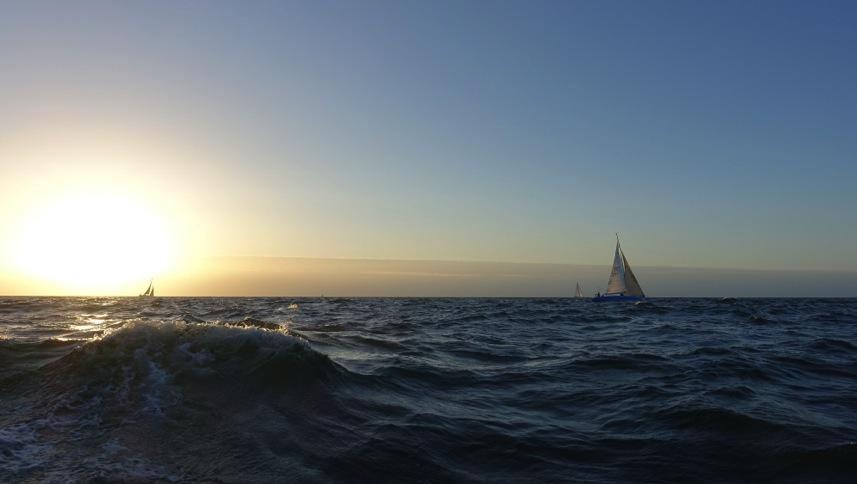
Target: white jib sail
[632,287]
[577,291]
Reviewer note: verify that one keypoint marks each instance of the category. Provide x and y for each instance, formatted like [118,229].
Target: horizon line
[324,296]
[567,264]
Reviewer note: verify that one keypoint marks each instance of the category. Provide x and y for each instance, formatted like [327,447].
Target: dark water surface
[428,390]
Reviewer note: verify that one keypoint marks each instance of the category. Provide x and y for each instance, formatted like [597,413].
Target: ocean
[427,390]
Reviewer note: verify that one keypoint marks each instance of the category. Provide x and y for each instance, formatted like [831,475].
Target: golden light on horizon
[96,240]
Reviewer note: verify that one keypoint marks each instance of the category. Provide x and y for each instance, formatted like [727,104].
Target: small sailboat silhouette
[578,293]
[623,285]
[150,292]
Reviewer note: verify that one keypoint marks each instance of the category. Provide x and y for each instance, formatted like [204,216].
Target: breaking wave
[135,381]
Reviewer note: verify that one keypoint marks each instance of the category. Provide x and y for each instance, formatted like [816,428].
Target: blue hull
[616,298]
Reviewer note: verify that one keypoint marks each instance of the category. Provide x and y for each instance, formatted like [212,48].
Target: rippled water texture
[428,390]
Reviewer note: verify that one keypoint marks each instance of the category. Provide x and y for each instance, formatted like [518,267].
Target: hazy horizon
[302,277]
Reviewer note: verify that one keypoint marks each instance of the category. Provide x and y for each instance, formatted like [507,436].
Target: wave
[382,344]
[247,351]
[152,368]
[829,345]
[720,421]
[134,380]
[711,351]
[630,361]
[49,343]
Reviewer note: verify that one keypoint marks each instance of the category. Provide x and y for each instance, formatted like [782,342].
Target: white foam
[20,450]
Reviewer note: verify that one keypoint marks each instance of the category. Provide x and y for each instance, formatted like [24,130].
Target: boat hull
[616,298]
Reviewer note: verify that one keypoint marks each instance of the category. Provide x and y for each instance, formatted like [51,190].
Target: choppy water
[428,390]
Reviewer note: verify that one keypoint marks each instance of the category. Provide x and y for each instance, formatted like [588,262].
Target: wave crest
[154,363]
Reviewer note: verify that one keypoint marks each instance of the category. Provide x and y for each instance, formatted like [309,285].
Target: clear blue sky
[712,134]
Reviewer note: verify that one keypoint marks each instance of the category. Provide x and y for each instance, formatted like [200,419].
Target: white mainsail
[151,290]
[622,280]
[616,284]
[577,291]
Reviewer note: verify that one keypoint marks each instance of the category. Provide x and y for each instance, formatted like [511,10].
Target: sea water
[427,390]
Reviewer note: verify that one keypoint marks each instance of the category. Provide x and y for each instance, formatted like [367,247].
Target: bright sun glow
[89,240]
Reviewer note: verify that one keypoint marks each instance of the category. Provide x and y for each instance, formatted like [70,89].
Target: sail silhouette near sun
[150,291]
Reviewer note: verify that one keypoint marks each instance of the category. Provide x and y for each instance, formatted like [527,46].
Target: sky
[136,137]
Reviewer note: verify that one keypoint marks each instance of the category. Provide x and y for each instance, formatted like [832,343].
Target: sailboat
[623,285]
[150,292]
[578,293]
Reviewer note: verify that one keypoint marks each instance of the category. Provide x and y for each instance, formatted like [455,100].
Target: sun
[92,241]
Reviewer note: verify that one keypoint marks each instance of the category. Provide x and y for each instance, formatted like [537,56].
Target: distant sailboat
[623,285]
[577,292]
[150,292]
